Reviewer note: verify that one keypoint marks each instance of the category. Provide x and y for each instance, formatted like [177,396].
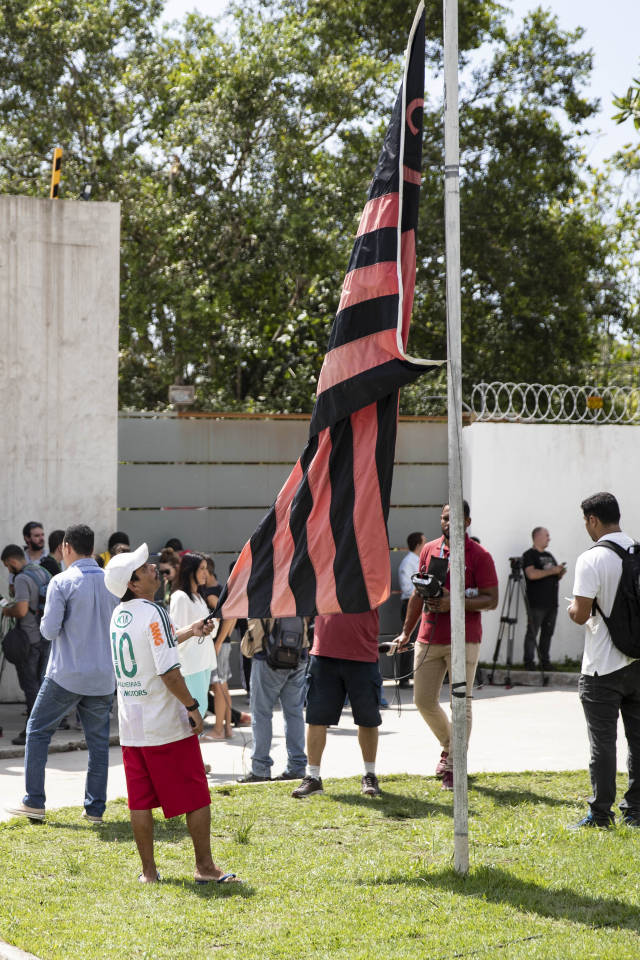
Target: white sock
[370,767]
[313,771]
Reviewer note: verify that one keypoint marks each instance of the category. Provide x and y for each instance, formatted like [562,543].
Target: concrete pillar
[59,290]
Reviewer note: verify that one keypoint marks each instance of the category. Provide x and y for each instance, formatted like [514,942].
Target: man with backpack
[607,600]
[279,652]
[30,586]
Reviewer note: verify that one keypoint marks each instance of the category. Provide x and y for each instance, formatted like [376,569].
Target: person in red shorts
[432,657]
[159,719]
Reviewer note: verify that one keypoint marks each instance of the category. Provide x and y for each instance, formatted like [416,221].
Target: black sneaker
[287,775]
[21,739]
[630,820]
[590,821]
[253,778]
[310,787]
[370,785]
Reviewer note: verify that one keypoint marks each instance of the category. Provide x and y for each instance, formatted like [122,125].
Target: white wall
[59,275]
[519,476]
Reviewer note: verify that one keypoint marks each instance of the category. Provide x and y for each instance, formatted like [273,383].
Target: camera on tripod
[516,564]
[429,585]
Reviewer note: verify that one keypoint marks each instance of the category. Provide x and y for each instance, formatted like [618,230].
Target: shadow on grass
[210,891]
[512,796]
[395,806]
[119,830]
[499,886]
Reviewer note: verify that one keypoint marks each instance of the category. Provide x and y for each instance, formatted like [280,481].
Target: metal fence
[555,403]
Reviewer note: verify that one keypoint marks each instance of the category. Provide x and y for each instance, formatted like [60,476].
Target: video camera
[429,585]
[516,565]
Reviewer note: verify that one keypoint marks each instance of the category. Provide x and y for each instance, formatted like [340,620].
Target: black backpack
[623,623]
[283,644]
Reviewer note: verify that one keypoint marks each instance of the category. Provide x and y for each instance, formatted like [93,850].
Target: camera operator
[432,659]
[542,575]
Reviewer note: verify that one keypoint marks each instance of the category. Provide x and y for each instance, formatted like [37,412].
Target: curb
[64,746]
[7,952]
[530,678]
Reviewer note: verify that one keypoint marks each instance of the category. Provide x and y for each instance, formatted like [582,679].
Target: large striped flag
[323,546]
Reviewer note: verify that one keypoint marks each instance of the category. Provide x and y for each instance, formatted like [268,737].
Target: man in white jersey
[609,681]
[159,719]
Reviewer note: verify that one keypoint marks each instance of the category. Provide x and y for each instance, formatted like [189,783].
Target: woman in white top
[197,655]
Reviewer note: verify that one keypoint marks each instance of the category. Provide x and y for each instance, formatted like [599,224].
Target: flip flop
[142,880]
[225,878]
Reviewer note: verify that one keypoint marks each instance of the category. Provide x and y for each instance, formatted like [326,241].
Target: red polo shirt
[479,571]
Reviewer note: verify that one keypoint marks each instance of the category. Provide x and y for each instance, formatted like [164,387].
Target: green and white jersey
[144,647]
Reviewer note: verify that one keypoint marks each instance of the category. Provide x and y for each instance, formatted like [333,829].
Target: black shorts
[330,680]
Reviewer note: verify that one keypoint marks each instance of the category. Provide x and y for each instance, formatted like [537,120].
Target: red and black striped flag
[323,547]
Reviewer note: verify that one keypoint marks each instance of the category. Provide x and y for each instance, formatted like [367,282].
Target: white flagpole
[454,397]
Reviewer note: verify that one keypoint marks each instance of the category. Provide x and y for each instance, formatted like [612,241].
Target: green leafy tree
[242,157]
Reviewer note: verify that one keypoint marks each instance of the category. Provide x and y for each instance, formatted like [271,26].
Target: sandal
[142,880]
[225,878]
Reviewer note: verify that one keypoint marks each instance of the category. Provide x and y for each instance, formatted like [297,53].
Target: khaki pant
[430,664]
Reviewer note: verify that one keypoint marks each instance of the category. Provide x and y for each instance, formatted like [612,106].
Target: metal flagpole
[454,397]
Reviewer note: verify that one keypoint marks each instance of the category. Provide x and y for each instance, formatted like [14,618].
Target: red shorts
[170,776]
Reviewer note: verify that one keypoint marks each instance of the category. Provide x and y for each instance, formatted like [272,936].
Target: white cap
[117,572]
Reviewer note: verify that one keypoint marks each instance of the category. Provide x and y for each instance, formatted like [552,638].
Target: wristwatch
[194,706]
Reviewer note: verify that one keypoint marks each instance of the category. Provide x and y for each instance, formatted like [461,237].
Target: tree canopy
[241,154]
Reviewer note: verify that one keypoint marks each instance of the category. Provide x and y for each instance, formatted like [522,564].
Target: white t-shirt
[198,653]
[144,647]
[409,566]
[597,576]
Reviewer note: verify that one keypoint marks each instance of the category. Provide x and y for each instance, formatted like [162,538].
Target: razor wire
[555,403]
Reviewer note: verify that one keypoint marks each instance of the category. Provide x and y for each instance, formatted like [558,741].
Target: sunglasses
[164,572]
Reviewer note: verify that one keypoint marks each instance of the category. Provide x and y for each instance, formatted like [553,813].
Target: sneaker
[22,810]
[589,821]
[370,785]
[630,821]
[91,817]
[442,764]
[253,778]
[287,775]
[309,787]
[20,740]
[384,703]
[447,780]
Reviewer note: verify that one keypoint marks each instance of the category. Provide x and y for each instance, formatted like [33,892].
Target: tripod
[515,590]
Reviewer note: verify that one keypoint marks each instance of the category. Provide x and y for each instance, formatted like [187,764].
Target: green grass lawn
[338,876]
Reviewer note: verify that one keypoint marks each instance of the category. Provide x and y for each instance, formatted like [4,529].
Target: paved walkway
[525,728]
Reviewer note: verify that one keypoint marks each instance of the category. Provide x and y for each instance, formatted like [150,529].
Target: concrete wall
[519,476]
[59,274]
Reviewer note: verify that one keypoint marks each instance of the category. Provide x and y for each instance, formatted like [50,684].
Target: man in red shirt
[432,659]
[343,662]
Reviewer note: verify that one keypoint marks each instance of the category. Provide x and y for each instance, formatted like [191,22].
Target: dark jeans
[603,699]
[31,673]
[543,620]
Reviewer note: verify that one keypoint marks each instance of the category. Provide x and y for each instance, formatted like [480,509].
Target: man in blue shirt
[79,674]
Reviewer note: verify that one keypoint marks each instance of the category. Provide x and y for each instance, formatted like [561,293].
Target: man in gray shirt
[29,579]
[79,674]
